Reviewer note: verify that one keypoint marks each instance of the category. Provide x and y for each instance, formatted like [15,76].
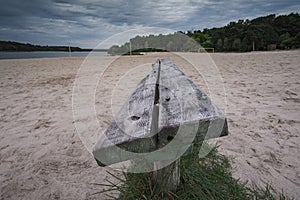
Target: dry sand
[42,157]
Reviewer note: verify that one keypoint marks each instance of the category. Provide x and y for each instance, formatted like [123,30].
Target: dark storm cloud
[84,23]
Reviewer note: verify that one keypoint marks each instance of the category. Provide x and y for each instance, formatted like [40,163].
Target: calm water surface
[47,54]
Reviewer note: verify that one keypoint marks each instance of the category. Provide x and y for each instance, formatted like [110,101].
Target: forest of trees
[263,33]
[17,46]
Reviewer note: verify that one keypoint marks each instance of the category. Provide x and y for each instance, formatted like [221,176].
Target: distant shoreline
[10,46]
[82,50]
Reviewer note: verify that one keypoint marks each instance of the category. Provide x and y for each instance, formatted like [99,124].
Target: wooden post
[168,177]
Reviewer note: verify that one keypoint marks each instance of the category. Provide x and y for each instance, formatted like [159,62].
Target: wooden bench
[162,118]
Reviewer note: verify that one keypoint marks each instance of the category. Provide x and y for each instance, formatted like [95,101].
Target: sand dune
[42,157]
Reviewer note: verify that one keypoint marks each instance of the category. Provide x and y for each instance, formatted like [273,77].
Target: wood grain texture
[184,106]
[131,128]
[164,103]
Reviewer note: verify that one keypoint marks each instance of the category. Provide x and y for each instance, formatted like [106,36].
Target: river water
[47,54]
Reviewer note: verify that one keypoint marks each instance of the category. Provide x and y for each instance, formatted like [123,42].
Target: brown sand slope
[42,157]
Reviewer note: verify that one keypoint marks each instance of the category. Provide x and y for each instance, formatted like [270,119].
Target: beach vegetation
[201,178]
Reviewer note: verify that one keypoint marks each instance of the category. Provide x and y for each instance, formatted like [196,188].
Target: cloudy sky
[87,23]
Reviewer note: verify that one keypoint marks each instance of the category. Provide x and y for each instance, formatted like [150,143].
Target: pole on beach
[70,50]
[129,47]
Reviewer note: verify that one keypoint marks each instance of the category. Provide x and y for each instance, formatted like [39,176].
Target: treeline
[171,42]
[16,46]
[263,33]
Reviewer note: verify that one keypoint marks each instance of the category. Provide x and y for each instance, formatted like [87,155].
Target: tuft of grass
[200,178]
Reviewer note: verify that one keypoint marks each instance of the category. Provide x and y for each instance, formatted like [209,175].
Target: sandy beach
[42,156]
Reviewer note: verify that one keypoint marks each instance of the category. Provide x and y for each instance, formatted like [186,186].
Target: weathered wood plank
[183,105]
[131,128]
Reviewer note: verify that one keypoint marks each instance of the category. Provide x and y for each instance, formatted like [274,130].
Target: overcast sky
[87,23]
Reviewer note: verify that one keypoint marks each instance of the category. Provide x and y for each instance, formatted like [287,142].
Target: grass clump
[200,178]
